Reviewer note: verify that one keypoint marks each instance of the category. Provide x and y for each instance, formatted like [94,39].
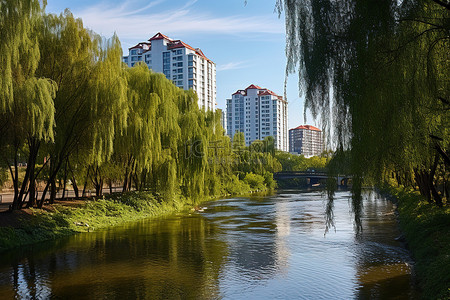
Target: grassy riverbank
[70,217]
[82,216]
[427,232]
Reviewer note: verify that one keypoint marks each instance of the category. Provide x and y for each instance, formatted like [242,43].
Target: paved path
[6,199]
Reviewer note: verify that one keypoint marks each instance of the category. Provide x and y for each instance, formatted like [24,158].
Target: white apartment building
[186,66]
[258,113]
[306,140]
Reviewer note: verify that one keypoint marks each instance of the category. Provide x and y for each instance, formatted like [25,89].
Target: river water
[270,247]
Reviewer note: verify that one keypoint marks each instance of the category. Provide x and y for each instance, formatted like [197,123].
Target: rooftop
[308,127]
[261,91]
[172,44]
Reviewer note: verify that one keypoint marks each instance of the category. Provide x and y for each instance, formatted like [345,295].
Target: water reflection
[241,248]
[383,265]
[169,258]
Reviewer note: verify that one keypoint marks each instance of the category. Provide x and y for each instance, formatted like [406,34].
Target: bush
[427,231]
[235,186]
[270,183]
[256,182]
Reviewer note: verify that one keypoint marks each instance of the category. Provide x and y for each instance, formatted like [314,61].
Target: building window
[133,52]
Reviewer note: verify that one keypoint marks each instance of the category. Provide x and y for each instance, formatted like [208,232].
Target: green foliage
[293,162]
[255,181]
[427,231]
[385,67]
[96,121]
[92,215]
[19,50]
[234,186]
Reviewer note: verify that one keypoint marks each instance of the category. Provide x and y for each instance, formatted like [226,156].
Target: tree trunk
[136,181]
[75,187]
[50,182]
[15,179]
[99,188]
[85,183]
[125,181]
[52,191]
[64,181]
[437,198]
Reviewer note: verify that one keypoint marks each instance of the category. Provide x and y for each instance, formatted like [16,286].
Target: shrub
[256,182]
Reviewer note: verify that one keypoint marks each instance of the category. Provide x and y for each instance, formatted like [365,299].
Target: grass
[91,215]
[109,211]
[427,231]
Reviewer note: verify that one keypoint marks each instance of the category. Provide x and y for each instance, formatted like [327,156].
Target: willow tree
[148,142]
[377,73]
[91,93]
[193,147]
[26,101]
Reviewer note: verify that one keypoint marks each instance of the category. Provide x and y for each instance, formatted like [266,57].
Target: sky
[246,41]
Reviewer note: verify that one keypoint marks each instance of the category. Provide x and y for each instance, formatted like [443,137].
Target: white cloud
[130,21]
[231,66]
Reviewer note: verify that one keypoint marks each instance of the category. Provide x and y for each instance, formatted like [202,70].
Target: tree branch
[442,3]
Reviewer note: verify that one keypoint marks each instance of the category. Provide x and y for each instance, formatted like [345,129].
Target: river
[270,247]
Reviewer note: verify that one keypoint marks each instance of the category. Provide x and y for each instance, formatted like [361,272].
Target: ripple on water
[239,248]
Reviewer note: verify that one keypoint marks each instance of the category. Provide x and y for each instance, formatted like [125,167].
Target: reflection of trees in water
[381,264]
[169,258]
[356,208]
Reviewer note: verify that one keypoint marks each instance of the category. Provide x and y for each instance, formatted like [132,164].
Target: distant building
[186,66]
[258,113]
[223,119]
[306,140]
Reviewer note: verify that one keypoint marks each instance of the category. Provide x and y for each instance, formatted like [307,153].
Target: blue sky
[245,41]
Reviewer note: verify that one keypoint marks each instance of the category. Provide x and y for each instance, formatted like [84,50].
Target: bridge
[312,178]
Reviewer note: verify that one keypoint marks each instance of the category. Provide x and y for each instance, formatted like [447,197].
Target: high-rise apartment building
[186,66]
[306,140]
[258,113]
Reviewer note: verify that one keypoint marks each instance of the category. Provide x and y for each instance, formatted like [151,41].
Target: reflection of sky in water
[258,248]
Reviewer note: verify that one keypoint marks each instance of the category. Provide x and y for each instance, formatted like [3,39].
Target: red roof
[160,36]
[239,92]
[308,127]
[141,46]
[199,52]
[179,44]
[138,46]
[261,92]
[267,92]
[254,87]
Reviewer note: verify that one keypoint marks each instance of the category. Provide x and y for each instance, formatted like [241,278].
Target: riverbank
[427,232]
[63,218]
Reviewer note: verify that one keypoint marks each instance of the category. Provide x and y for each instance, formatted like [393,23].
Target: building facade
[306,140]
[258,113]
[187,67]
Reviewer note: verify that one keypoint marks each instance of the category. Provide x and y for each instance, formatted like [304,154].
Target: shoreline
[64,218]
[426,232]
